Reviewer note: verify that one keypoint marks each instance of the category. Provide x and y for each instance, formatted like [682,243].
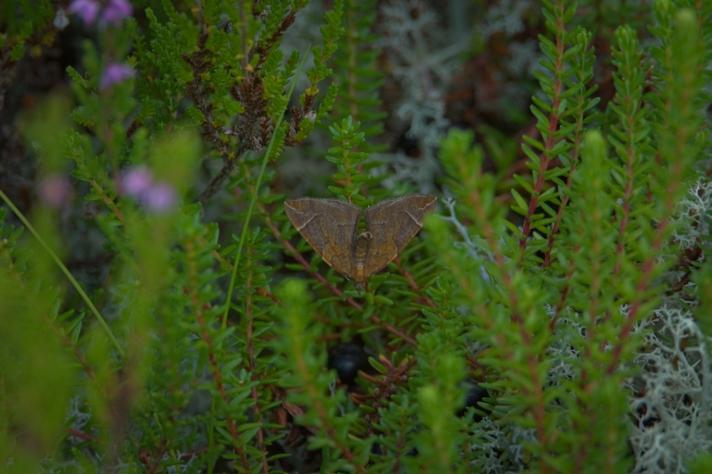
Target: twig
[425,300]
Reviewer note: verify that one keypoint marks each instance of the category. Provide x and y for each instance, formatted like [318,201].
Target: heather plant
[159,313]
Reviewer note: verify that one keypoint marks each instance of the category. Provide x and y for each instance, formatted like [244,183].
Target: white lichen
[671,401]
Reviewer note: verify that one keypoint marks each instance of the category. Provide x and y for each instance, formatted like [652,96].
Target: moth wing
[329,226]
[393,223]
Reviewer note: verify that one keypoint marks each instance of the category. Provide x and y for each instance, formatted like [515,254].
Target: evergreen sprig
[309,386]
[359,77]
[582,113]
[550,110]
[350,159]
[629,135]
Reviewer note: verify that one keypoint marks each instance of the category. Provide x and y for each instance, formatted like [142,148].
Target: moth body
[360,251]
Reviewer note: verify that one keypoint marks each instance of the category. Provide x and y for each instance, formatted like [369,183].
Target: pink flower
[115,11]
[136,181]
[55,190]
[87,10]
[159,198]
[114,74]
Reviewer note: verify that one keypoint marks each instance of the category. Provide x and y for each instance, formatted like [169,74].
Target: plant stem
[65,270]
[253,200]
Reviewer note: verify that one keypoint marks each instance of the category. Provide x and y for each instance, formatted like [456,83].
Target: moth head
[365,235]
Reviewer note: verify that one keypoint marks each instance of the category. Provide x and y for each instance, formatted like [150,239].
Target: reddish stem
[212,357]
[550,140]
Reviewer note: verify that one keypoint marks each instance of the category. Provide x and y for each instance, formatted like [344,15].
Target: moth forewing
[393,224]
[328,225]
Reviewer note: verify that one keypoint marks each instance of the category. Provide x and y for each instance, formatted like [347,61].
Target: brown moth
[332,229]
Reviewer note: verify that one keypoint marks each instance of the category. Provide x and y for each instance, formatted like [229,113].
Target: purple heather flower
[55,190]
[136,181]
[87,10]
[160,197]
[115,73]
[115,11]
